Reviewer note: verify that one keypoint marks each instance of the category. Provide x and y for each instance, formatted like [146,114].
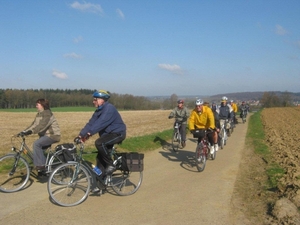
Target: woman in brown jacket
[46,126]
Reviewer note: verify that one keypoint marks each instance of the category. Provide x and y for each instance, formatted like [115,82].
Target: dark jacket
[105,120]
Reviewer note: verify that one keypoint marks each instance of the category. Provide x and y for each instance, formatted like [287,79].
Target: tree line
[271,99]
[20,99]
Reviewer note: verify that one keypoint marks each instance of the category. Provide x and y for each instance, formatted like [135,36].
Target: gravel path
[172,192]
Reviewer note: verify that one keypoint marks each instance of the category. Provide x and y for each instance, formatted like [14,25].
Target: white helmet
[224,98]
[199,102]
[231,100]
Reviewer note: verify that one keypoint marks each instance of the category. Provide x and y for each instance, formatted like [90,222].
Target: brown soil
[277,205]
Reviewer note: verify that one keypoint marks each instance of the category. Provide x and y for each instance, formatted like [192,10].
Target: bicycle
[223,133]
[203,149]
[243,115]
[69,184]
[15,168]
[177,139]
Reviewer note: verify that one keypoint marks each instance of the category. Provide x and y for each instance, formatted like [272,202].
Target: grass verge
[139,144]
[256,136]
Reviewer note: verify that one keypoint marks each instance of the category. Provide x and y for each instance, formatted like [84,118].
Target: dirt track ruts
[172,192]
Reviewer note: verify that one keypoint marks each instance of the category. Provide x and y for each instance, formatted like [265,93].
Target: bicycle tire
[175,143]
[126,183]
[55,160]
[200,157]
[13,179]
[66,188]
[222,141]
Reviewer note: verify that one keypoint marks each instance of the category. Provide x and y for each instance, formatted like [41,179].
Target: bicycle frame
[176,139]
[29,153]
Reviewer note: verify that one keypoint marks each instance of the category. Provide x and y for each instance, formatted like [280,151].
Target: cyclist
[234,109]
[215,111]
[46,126]
[181,113]
[243,109]
[225,113]
[107,122]
[202,118]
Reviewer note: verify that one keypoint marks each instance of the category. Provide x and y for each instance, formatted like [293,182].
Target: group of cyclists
[208,117]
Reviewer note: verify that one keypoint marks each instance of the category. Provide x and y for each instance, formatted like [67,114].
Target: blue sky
[151,47]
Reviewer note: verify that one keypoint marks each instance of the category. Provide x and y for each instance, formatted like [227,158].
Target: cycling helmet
[102,94]
[224,98]
[231,100]
[180,101]
[199,102]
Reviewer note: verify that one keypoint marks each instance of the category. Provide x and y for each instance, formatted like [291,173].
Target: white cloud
[78,39]
[59,75]
[280,30]
[87,7]
[172,68]
[120,13]
[72,55]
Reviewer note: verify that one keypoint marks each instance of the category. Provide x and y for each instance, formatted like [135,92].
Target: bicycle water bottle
[96,170]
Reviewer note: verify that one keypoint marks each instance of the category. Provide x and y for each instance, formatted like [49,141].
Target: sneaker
[216,147]
[212,150]
[40,168]
[95,190]
[183,144]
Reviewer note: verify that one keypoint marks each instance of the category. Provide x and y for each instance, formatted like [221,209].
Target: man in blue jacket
[107,122]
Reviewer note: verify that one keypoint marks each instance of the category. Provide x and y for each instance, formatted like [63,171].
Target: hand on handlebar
[24,133]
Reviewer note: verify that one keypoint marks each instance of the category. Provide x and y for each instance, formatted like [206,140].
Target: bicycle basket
[132,161]
[68,151]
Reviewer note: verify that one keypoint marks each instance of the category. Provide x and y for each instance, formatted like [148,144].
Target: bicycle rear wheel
[200,157]
[14,173]
[125,182]
[69,184]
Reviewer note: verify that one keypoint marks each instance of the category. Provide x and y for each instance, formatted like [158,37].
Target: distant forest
[16,99]
[22,99]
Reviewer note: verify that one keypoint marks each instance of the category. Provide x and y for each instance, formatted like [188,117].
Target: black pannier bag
[199,133]
[68,151]
[132,161]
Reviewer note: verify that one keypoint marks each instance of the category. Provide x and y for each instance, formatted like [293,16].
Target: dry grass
[138,123]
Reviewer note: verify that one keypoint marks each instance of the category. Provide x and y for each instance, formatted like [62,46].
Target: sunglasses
[95,99]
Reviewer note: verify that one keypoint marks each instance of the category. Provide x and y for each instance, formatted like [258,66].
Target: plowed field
[282,135]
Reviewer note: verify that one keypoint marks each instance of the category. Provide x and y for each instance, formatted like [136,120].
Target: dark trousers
[104,145]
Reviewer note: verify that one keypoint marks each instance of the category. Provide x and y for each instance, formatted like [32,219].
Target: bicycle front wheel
[175,141]
[14,173]
[69,184]
[200,157]
[125,182]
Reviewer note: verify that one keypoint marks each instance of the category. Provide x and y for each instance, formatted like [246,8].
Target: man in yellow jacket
[234,109]
[202,118]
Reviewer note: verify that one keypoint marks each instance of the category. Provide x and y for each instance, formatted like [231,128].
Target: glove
[28,132]
[170,117]
[77,140]
[24,133]
[86,137]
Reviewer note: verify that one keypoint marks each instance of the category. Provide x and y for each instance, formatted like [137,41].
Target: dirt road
[172,192]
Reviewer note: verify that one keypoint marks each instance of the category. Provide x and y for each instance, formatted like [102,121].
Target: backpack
[68,151]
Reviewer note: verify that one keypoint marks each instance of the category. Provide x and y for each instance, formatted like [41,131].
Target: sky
[151,47]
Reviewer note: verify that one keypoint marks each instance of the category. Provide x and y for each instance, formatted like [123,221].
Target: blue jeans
[39,158]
